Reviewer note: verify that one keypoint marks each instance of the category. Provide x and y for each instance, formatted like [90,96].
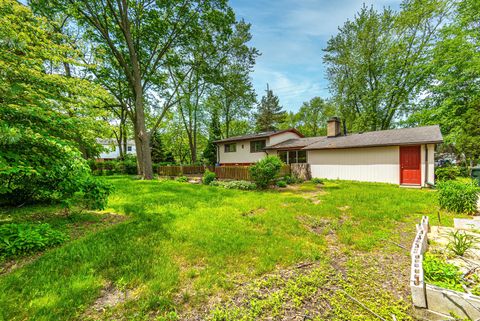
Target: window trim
[252,142]
[230,151]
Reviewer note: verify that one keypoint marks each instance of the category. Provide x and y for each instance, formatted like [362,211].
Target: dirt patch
[317,290]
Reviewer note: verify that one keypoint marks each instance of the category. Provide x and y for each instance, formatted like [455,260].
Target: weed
[460,242]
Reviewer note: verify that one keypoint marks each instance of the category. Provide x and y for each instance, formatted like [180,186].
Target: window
[293,156]
[230,148]
[283,155]
[302,156]
[129,148]
[257,146]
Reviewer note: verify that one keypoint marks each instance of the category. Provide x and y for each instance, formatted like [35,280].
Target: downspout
[217,147]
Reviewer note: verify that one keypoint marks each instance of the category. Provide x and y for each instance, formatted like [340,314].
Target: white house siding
[241,156]
[113,152]
[431,163]
[373,164]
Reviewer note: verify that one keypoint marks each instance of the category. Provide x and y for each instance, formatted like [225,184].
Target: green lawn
[182,244]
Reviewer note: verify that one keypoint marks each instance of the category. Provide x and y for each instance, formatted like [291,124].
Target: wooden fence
[222,172]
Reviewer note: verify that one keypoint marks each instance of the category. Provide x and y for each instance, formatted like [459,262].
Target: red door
[410,173]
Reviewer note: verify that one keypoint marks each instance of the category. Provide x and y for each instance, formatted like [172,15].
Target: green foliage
[447,173]
[241,185]
[281,183]
[317,180]
[208,177]
[95,193]
[265,171]
[460,242]
[311,119]
[270,114]
[458,197]
[440,273]
[45,119]
[26,238]
[214,133]
[182,179]
[126,166]
[379,61]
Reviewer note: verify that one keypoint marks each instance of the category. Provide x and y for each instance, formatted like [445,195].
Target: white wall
[242,155]
[374,164]
[431,163]
[114,152]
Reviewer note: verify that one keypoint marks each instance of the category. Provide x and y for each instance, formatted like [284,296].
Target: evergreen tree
[158,153]
[210,152]
[270,114]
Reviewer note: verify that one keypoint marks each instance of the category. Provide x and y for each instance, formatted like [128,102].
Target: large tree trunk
[145,161]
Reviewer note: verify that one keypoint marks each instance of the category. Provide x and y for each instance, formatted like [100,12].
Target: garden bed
[445,280]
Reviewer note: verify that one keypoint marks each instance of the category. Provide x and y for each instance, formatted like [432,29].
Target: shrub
[208,177]
[243,185]
[182,179]
[282,184]
[95,193]
[317,180]
[440,273]
[458,197]
[265,171]
[447,173]
[17,239]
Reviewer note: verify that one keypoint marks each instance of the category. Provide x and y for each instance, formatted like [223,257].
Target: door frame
[419,165]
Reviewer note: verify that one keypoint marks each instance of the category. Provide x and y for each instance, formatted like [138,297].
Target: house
[398,156]
[111,149]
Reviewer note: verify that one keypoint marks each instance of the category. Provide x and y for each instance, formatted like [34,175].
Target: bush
[317,180]
[282,184]
[95,193]
[208,177]
[182,179]
[447,173]
[17,239]
[242,185]
[458,197]
[265,171]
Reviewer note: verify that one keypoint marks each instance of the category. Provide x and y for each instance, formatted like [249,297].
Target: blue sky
[291,35]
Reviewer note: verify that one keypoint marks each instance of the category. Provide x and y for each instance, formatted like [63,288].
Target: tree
[380,62]
[138,37]
[453,98]
[313,115]
[214,133]
[270,114]
[41,114]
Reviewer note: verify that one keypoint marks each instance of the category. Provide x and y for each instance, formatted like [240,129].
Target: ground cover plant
[182,244]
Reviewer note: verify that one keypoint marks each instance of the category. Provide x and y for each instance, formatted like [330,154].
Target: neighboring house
[111,150]
[399,156]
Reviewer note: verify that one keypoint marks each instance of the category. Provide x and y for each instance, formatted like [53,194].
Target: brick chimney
[333,127]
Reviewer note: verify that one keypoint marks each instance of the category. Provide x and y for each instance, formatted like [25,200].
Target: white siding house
[111,149]
[398,156]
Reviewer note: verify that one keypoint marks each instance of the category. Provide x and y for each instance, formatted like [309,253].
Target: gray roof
[294,143]
[392,137]
[257,135]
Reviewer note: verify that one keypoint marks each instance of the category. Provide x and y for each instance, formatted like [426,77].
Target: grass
[183,243]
